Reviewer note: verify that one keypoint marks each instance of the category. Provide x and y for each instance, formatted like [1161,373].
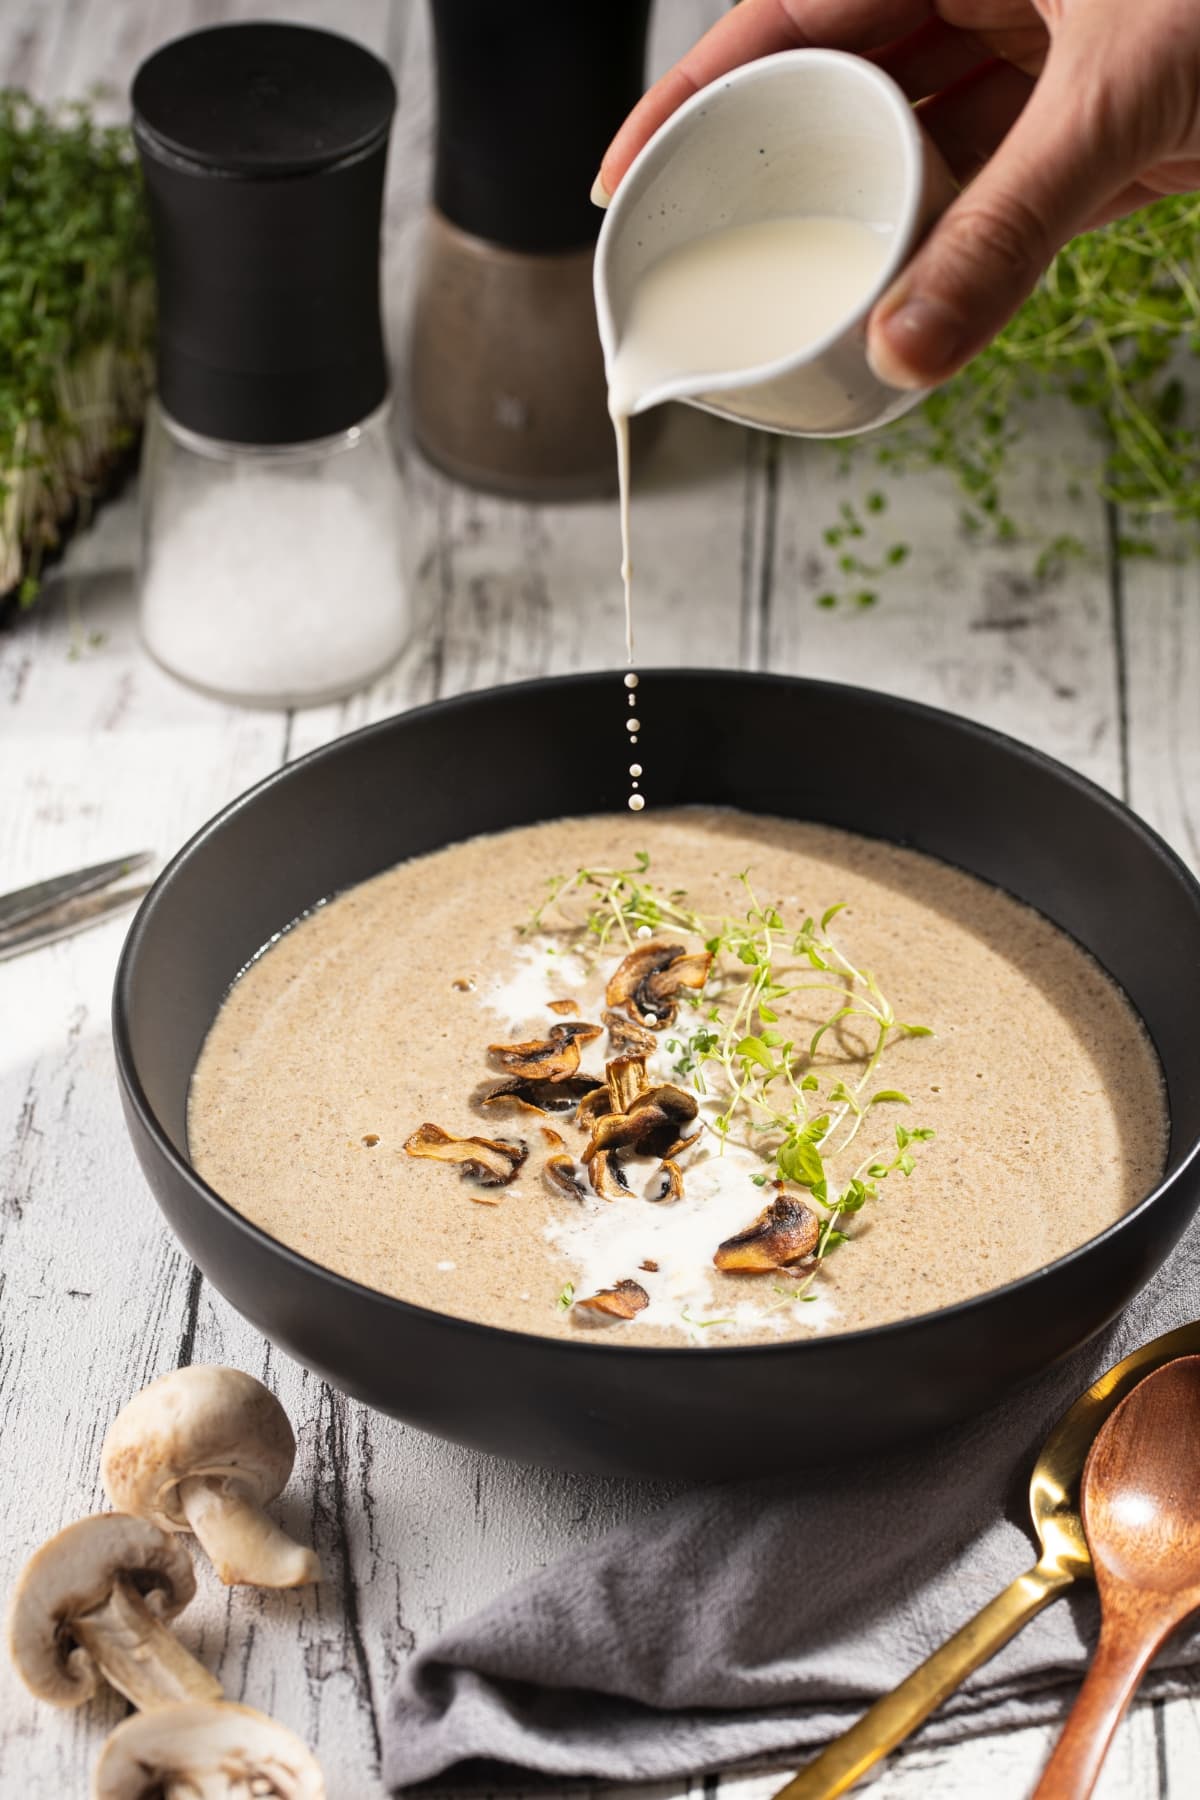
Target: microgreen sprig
[770,1090]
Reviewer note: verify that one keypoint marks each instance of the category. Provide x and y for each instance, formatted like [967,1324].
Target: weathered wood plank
[962,624]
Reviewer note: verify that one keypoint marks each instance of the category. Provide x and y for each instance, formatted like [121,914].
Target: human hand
[1059,115]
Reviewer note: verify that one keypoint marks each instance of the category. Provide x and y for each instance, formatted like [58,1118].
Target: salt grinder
[271,565]
[507,373]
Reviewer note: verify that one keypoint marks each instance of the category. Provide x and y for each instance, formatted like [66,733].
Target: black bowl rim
[813,1346]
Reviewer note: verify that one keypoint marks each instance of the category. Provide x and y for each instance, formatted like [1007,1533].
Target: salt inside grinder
[271,559]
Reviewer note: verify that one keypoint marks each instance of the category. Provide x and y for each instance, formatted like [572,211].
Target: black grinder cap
[263,149]
[528,97]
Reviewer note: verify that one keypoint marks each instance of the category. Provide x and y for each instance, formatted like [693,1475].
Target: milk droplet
[643,931]
[633,739]
[633,725]
[636,802]
[650,1018]
[635,768]
[631,681]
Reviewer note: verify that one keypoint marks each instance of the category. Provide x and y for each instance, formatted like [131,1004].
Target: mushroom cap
[200,1738]
[203,1420]
[73,1573]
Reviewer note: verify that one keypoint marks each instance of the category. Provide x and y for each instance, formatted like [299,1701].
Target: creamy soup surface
[372,1016]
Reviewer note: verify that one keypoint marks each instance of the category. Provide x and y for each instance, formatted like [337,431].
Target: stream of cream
[732,300]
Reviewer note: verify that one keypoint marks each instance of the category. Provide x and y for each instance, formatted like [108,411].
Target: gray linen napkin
[747,1625]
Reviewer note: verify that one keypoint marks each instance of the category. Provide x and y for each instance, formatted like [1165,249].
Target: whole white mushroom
[204,1449]
[198,1752]
[92,1605]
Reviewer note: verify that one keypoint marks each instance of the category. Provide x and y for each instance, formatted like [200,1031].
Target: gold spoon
[1054,1504]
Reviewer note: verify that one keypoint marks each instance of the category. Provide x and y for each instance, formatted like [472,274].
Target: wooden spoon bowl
[1141,1515]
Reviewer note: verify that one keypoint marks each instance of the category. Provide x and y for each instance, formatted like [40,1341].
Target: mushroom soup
[726,1078]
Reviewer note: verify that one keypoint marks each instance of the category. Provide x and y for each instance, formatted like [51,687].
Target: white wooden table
[102,754]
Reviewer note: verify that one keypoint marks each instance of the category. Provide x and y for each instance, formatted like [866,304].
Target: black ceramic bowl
[515,755]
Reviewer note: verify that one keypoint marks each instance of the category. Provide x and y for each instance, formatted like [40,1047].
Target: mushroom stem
[138,1655]
[244,1545]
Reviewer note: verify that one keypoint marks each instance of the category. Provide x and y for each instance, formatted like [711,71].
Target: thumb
[1056,167]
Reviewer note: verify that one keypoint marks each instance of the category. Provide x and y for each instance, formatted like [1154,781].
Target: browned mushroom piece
[607,1176]
[552,1058]
[626,1077]
[491,1161]
[671,1185]
[577,1031]
[541,1095]
[621,1301]
[561,1007]
[652,1126]
[783,1233]
[626,1038]
[593,1106]
[562,1176]
[539,1059]
[651,977]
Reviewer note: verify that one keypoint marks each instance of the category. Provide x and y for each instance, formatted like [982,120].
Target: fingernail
[916,343]
[600,194]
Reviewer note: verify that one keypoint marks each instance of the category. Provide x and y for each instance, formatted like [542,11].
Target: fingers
[969,120]
[752,29]
[932,58]
[1057,168]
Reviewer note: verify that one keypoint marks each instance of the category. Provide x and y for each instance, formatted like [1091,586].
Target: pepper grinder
[271,567]
[507,373]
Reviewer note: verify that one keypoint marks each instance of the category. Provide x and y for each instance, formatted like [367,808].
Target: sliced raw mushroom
[783,1233]
[490,1161]
[621,1301]
[650,979]
[198,1752]
[626,1077]
[651,1127]
[626,1038]
[204,1449]
[671,1181]
[541,1095]
[607,1176]
[91,1606]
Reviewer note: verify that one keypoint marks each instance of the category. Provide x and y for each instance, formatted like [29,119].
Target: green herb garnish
[773,1092]
[1107,330]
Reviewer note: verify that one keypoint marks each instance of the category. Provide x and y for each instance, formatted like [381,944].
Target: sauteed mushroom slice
[539,1059]
[593,1106]
[205,1449]
[647,982]
[671,1185]
[551,1058]
[607,1176]
[651,1126]
[626,1077]
[491,1161]
[783,1233]
[190,1751]
[626,1038]
[575,1031]
[91,1606]
[542,1096]
[559,1170]
[621,1301]
[561,1007]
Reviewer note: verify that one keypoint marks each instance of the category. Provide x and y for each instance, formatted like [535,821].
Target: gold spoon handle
[892,1718]
[1116,1670]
